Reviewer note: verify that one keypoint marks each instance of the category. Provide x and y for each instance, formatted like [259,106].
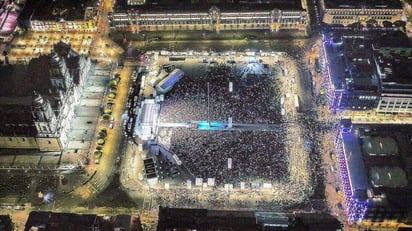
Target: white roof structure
[146,121]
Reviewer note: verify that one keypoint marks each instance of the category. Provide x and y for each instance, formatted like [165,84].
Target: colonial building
[374,13]
[60,15]
[271,15]
[37,101]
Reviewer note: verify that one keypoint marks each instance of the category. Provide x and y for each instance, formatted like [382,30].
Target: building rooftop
[379,159]
[203,219]
[397,71]
[364,4]
[356,167]
[392,177]
[14,80]
[351,64]
[373,146]
[5,223]
[9,12]
[71,221]
[203,5]
[392,39]
[57,10]
[21,80]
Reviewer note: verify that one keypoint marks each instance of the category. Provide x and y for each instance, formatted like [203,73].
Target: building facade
[62,15]
[271,17]
[38,115]
[374,13]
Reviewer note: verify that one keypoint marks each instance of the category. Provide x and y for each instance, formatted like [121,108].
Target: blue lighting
[356,209]
[212,125]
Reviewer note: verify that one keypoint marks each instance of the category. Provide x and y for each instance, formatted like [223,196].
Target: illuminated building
[60,15]
[9,12]
[203,219]
[37,101]
[374,13]
[369,74]
[375,169]
[245,15]
[355,85]
[136,2]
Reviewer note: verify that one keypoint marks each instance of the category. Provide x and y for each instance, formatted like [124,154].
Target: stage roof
[148,112]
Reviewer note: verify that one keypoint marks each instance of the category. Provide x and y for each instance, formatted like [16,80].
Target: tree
[102,135]
[112,95]
[98,154]
[106,116]
[100,141]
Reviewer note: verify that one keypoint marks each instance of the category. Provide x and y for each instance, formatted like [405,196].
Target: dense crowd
[254,154]
[255,98]
[284,156]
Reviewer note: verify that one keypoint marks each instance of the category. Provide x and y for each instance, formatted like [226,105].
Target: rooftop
[57,10]
[21,80]
[351,64]
[356,166]
[373,145]
[14,81]
[379,158]
[72,221]
[5,223]
[393,39]
[364,4]
[396,70]
[392,177]
[203,5]
[9,12]
[170,218]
